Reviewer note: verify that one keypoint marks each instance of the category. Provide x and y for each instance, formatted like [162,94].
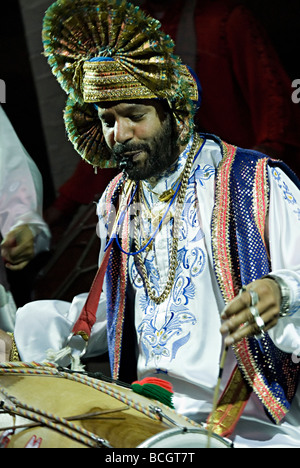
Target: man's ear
[183,130]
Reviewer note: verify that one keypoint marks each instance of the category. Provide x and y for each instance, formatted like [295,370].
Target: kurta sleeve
[21,187]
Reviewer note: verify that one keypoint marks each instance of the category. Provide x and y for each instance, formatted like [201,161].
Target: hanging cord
[156,230]
[120,220]
[123,213]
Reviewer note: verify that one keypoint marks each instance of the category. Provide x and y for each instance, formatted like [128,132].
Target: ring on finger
[254,312]
[261,325]
[259,321]
[254,297]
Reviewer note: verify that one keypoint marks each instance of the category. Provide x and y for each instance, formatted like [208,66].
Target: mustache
[122,149]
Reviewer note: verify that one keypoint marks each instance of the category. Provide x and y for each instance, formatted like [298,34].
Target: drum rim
[169,432]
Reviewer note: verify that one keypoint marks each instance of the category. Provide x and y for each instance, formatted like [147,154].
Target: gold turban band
[108,81]
[109,50]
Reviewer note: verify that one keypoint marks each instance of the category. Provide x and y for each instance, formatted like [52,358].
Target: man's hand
[239,319]
[5,346]
[17,249]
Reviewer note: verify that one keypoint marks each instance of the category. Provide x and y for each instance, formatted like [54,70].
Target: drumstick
[97,413]
[216,396]
[71,418]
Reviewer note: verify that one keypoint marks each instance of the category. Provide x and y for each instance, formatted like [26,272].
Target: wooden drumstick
[79,417]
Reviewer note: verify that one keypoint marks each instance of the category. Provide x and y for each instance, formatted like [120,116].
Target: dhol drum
[42,406]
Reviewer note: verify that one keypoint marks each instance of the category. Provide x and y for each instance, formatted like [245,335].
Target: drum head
[186,438]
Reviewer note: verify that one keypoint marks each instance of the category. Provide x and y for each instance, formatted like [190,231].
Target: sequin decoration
[240,257]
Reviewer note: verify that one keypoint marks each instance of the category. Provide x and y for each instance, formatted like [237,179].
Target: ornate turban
[110,50]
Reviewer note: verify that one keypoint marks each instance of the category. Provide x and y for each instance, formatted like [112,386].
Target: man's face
[141,137]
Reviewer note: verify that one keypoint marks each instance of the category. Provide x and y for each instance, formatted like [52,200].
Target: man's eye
[107,123]
[137,117]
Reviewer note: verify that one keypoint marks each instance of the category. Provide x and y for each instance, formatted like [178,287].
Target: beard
[161,152]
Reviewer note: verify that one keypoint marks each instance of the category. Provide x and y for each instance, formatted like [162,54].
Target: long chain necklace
[182,187]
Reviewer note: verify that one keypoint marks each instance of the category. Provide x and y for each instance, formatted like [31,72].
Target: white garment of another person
[21,202]
[179,340]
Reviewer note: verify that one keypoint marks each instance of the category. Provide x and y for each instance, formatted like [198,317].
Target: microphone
[126,164]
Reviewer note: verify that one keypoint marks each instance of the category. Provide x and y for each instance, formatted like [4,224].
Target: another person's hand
[252,312]
[17,248]
[5,346]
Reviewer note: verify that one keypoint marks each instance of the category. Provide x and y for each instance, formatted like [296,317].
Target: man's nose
[122,131]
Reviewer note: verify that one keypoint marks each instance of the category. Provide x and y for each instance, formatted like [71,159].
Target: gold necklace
[167,195]
[177,223]
[155,216]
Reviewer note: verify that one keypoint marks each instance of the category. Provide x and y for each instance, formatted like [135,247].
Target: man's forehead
[125,104]
[129,106]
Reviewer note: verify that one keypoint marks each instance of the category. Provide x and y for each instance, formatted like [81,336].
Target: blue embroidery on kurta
[163,331]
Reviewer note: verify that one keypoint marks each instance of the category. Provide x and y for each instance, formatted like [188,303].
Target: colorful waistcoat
[242,199]
[241,206]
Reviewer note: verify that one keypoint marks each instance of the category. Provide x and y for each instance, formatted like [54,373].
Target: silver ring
[254,312]
[261,325]
[259,322]
[254,297]
[243,289]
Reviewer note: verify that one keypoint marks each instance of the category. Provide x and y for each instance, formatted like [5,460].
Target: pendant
[167,195]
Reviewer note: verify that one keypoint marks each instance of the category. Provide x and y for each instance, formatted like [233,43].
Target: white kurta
[179,340]
[21,202]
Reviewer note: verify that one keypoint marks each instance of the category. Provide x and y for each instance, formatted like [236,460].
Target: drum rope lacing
[52,421]
[55,371]
[67,427]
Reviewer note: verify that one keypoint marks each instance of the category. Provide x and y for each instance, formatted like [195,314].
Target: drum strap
[230,405]
[87,317]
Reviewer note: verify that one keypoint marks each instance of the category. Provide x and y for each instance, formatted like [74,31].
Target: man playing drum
[199,238]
